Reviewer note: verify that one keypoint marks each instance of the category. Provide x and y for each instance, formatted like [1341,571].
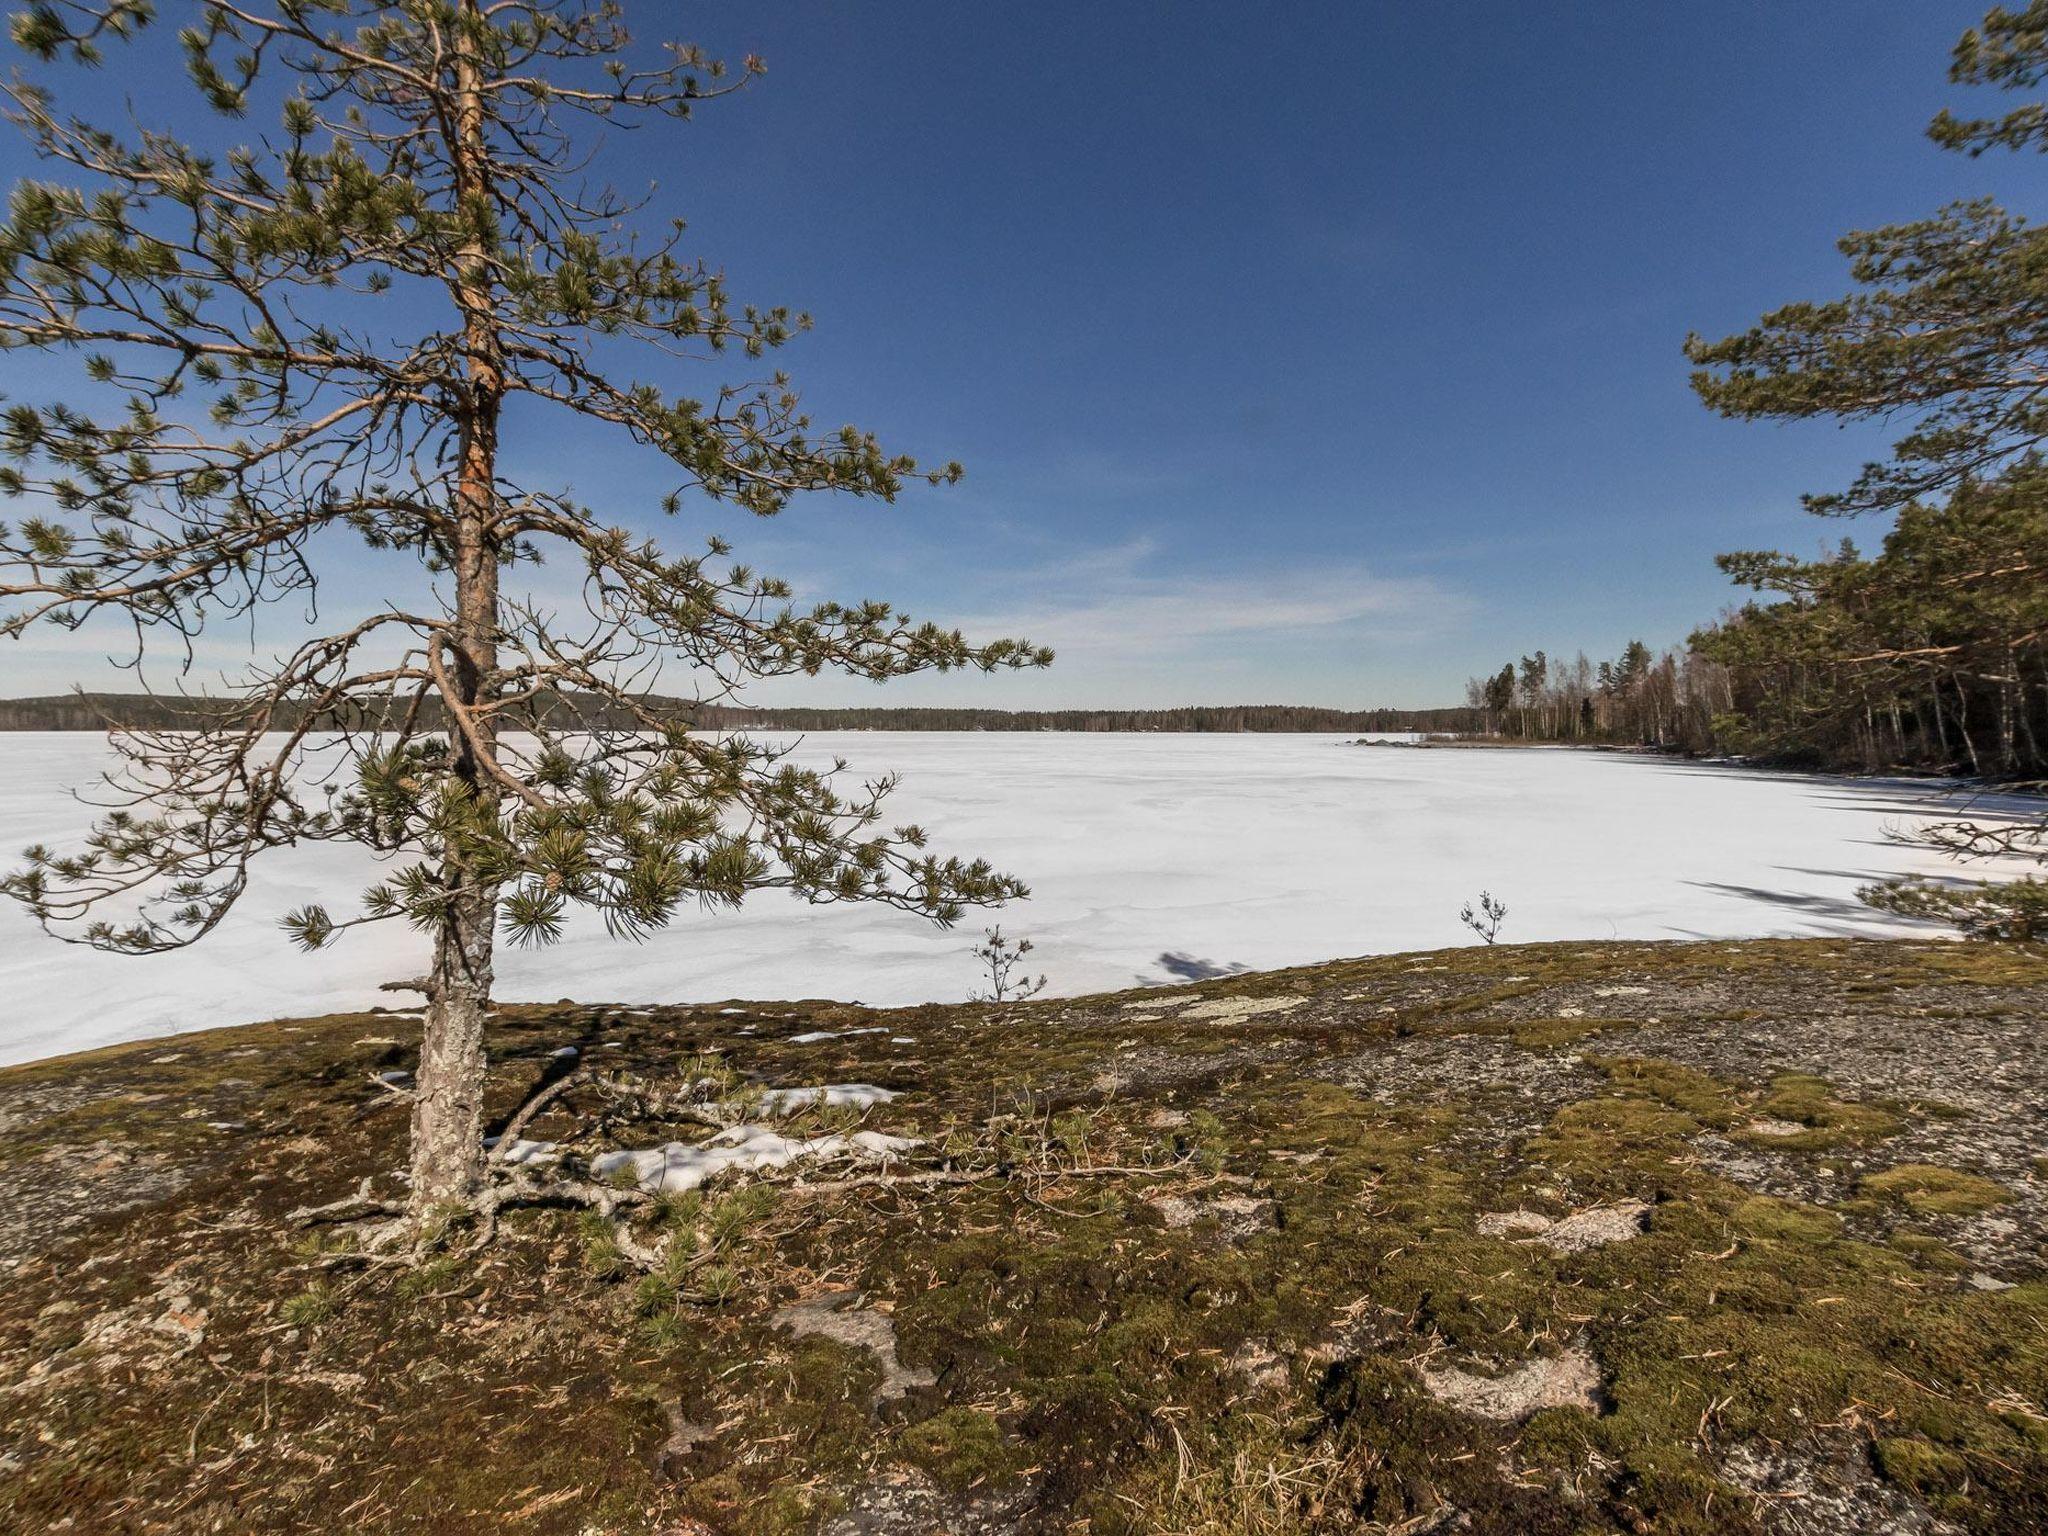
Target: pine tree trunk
[447,1123]
[447,1115]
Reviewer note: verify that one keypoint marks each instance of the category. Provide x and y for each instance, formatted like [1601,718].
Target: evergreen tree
[328,329]
[1535,679]
[1499,694]
[1933,651]
[1947,330]
[1948,326]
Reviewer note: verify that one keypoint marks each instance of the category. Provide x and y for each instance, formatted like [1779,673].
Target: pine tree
[325,329]
[1933,651]
[1499,694]
[1948,331]
[1535,678]
[1948,327]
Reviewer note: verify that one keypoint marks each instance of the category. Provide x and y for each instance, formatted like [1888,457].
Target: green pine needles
[1947,332]
[322,327]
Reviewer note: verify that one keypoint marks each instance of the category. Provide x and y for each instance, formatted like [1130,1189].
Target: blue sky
[1322,353]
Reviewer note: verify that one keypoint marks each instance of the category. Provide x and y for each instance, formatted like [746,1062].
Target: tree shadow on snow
[1848,914]
[1886,795]
[1180,966]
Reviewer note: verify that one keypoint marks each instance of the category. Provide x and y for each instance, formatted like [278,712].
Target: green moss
[1547,1034]
[1936,1109]
[1927,1189]
[1992,965]
[960,1448]
[1123,1365]
[1920,1465]
[1598,1140]
[1785,1220]
[1705,1098]
[1930,1251]
[1830,1121]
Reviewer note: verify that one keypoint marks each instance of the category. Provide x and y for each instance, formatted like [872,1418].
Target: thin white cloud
[1118,612]
[1126,630]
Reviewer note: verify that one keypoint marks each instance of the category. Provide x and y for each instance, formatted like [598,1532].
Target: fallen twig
[533,1106]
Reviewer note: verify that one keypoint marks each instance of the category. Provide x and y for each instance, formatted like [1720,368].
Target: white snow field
[1152,859]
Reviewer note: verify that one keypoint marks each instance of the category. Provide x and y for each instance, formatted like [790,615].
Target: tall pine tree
[1947,330]
[327,329]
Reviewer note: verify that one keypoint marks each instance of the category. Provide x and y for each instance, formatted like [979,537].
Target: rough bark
[447,1124]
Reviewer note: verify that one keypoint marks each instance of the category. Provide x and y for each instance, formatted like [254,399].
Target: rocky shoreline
[1686,1237]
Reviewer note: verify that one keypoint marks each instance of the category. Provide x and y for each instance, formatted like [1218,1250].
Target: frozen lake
[1151,858]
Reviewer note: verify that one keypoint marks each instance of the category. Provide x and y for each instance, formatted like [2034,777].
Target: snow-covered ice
[1159,859]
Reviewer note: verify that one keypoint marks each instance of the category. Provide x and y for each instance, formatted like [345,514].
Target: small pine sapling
[1486,919]
[1001,955]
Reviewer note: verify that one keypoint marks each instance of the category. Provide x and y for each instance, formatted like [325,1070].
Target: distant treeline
[1670,701]
[143,711]
[1929,653]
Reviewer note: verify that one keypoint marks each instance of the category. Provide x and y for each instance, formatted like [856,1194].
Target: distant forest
[1928,654]
[143,711]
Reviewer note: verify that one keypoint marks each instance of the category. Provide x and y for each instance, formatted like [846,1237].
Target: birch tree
[324,330]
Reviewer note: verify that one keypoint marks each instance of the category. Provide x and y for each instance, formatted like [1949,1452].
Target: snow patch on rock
[742,1148]
[784,1101]
[524,1152]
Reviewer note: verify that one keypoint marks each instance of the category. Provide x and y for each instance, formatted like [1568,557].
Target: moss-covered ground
[1747,1237]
